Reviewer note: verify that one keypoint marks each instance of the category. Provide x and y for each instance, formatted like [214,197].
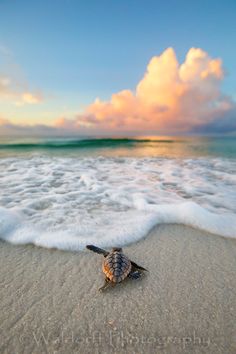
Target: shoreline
[186,303]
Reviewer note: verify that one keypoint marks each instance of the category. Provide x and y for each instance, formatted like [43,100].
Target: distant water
[68,192]
[135,147]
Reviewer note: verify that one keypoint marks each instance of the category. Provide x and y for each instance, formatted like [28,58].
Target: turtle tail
[97,250]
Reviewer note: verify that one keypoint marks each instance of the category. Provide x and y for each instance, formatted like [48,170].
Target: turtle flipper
[105,285]
[135,274]
[138,266]
[97,250]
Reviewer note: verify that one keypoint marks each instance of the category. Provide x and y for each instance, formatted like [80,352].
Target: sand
[186,304]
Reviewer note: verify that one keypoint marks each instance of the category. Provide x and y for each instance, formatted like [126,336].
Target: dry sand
[187,303]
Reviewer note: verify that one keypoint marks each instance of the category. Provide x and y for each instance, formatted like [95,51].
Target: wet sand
[50,301]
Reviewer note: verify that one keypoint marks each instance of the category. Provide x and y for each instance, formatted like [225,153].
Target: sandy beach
[50,301]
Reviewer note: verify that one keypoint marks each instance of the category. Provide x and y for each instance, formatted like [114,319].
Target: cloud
[13,86]
[171,97]
[8,128]
[225,125]
[16,93]
[30,98]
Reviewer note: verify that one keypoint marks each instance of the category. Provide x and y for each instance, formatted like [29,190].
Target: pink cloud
[170,97]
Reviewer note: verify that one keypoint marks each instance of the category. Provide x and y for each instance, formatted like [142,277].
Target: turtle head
[116,249]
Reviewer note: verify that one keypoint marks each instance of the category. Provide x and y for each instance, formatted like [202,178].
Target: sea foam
[69,202]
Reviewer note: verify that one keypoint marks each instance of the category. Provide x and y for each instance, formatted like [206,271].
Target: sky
[117,66]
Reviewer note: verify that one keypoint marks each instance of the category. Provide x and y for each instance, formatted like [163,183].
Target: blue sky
[74,51]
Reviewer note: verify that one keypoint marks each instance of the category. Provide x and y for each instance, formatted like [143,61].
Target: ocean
[68,192]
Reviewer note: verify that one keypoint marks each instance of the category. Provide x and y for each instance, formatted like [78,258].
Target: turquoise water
[126,147]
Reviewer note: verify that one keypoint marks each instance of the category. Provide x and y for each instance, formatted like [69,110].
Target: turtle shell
[116,267]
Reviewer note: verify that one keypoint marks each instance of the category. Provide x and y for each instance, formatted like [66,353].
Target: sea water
[68,192]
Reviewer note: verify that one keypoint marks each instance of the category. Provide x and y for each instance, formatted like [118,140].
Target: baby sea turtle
[116,266]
